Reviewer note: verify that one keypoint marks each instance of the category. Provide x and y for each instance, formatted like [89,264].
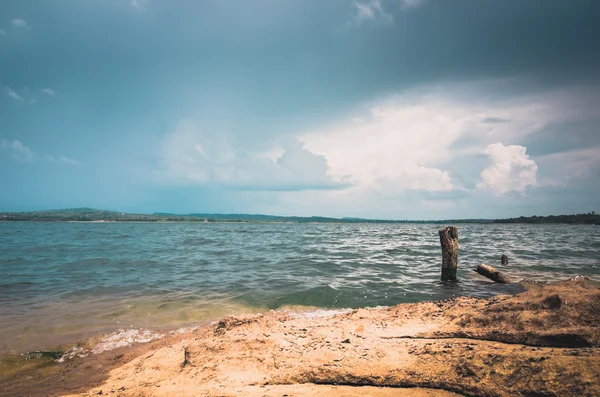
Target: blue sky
[403,109]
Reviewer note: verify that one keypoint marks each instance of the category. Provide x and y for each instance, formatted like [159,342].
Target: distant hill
[266,218]
[98,215]
[91,215]
[76,210]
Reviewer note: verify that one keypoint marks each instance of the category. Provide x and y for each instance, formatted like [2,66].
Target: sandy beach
[543,342]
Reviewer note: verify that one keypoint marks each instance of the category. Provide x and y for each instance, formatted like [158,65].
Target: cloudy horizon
[388,109]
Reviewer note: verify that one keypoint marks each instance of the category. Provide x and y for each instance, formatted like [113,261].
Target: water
[61,282]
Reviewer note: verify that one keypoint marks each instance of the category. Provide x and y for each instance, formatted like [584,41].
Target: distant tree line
[94,215]
[589,218]
[91,215]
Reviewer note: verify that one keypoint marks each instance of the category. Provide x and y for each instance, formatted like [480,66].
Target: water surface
[61,282]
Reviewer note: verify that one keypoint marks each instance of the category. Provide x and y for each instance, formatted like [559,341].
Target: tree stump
[493,274]
[449,241]
[504,259]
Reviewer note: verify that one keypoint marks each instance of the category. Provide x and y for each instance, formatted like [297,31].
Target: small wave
[199,241]
[125,338]
[320,313]
[17,285]
[118,339]
[115,340]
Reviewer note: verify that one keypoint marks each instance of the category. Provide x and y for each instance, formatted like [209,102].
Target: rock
[43,354]
[552,302]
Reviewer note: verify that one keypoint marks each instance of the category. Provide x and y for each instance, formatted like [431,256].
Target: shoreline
[337,222]
[545,340]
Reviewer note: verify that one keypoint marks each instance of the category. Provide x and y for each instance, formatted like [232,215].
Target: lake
[63,282]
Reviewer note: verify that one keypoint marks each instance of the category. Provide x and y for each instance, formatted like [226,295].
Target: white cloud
[190,156]
[23,94]
[48,91]
[397,148]
[17,150]
[372,10]
[69,161]
[369,11]
[11,93]
[24,154]
[420,146]
[139,4]
[406,4]
[364,11]
[62,160]
[421,150]
[19,23]
[511,169]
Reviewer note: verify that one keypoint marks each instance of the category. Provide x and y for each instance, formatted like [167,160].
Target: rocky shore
[543,342]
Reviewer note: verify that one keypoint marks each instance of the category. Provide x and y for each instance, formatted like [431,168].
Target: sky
[388,109]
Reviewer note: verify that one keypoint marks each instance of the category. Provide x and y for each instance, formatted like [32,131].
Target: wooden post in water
[449,241]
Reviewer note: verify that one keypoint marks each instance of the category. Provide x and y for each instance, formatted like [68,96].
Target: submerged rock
[43,354]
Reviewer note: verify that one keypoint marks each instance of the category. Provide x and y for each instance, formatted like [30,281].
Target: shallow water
[62,282]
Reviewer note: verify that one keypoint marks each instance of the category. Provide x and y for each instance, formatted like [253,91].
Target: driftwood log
[493,274]
[449,242]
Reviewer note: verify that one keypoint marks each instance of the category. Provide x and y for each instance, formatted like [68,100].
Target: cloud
[190,156]
[69,161]
[372,10]
[48,91]
[2,32]
[568,167]
[20,24]
[427,145]
[494,120]
[369,11]
[139,4]
[11,93]
[395,149]
[23,94]
[406,4]
[419,152]
[511,169]
[62,160]
[24,154]
[17,150]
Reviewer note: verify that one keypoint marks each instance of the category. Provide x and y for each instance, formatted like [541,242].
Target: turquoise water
[61,282]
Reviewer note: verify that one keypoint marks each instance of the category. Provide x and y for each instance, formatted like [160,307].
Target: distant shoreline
[233,221]
[102,216]
[301,222]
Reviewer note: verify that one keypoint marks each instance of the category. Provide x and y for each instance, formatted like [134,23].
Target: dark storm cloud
[564,137]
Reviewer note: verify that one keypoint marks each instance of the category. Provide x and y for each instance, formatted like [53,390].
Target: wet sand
[543,342]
